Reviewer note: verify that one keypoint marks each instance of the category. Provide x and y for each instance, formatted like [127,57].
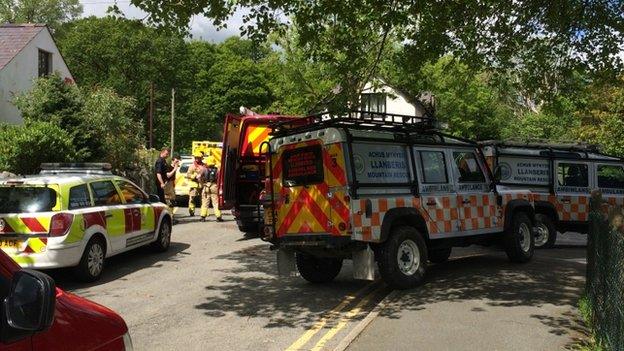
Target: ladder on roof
[355,120]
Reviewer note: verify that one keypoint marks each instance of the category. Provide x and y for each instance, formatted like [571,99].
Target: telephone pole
[172,118]
[151,117]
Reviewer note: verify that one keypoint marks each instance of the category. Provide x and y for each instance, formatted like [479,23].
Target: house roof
[14,38]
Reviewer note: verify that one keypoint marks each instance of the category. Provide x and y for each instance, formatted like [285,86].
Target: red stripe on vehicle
[95,218]
[128,219]
[157,212]
[7,228]
[33,224]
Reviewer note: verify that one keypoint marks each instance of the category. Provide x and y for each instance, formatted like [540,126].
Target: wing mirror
[497,174]
[153,198]
[30,304]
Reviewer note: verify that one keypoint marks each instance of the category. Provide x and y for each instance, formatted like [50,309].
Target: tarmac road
[217,290]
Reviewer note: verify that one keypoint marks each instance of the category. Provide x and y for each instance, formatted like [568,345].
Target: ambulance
[208,148]
[561,177]
[384,188]
[77,215]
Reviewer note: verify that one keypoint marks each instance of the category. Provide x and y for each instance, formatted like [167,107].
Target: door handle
[566,201]
[108,215]
[431,203]
[467,201]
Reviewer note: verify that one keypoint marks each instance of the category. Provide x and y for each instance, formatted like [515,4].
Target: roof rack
[355,120]
[541,144]
[76,168]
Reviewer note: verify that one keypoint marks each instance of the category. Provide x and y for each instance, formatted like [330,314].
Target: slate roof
[14,38]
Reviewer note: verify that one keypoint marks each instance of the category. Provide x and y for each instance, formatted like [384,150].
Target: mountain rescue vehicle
[242,167]
[387,188]
[76,215]
[561,177]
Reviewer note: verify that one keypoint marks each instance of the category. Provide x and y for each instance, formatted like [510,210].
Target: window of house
[467,167]
[610,176]
[572,174]
[374,102]
[433,167]
[45,63]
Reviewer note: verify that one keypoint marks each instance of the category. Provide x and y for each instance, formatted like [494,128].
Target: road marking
[298,345]
[345,319]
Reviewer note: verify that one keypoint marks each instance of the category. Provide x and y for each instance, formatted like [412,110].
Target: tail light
[60,224]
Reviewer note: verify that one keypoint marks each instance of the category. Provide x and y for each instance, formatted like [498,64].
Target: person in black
[161,168]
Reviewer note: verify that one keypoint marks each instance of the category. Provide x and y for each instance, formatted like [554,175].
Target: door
[139,214]
[438,197]
[475,200]
[610,181]
[572,190]
[107,198]
[229,162]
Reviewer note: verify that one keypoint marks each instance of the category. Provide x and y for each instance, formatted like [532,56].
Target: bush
[32,144]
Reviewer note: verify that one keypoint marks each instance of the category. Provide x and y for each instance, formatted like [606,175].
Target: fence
[605,273]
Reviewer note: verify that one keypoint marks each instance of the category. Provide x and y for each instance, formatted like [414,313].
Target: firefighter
[196,183]
[209,193]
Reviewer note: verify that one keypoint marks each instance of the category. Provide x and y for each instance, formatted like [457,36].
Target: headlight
[127,342]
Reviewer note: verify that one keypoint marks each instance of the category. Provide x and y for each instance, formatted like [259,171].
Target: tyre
[91,263]
[403,259]
[545,232]
[249,227]
[164,237]
[439,255]
[519,239]
[318,269]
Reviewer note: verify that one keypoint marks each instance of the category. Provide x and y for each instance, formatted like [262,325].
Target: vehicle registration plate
[10,243]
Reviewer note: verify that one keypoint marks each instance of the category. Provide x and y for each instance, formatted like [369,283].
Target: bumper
[67,256]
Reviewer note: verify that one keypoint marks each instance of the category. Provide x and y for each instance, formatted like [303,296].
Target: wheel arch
[403,216]
[548,209]
[518,205]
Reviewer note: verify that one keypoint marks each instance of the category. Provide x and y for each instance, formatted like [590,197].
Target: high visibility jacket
[194,170]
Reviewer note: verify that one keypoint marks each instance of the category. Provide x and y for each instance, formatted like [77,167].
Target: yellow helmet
[211,161]
[198,154]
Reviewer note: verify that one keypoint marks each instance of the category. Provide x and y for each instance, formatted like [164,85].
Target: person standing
[161,168]
[170,196]
[195,180]
[209,192]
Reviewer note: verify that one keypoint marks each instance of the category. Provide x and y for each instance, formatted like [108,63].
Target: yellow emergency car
[76,216]
[181,183]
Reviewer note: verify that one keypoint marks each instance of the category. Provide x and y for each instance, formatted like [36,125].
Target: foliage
[51,12]
[32,144]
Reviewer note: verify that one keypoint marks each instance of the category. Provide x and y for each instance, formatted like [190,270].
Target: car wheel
[403,259]
[163,241]
[439,255]
[318,269]
[519,239]
[545,232]
[91,263]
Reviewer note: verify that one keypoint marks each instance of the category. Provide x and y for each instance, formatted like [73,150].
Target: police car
[76,215]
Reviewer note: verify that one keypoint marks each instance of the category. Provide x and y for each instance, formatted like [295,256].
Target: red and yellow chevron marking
[35,245]
[25,225]
[254,137]
[313,209]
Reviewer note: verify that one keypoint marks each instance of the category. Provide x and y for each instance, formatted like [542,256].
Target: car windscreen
[184,166]
[26,199]
[302,166]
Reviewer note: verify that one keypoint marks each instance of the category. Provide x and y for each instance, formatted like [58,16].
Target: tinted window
[26,199]
[302,166]
[184,167]
[467,167]
[610,176]
[104,193]
[131,193]
[433,167]
[572,174]
[79,197]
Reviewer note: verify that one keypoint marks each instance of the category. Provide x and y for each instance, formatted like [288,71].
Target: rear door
[229,162]
[107,199]
[610,181]
[572,189]
[138,213]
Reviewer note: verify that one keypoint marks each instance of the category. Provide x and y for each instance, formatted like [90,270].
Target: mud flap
[286,266]
[364,264]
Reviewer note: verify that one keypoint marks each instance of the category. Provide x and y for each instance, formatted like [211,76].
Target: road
[216,289]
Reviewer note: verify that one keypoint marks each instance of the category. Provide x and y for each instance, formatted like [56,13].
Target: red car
[38,316]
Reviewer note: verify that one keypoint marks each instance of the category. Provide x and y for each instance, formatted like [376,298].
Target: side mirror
[30,304]
[154,198]
[497,174]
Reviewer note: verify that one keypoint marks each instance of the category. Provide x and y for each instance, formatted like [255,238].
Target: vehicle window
[104,193]
[610,176]
[302,166]
[572,174]
[79,197]
[433,167]
[20,199]
[131,194]
[184,167]
[467,167]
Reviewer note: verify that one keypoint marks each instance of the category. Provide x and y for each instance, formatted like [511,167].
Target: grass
[590,344]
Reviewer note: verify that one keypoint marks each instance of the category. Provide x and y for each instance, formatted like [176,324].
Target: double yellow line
[300,343]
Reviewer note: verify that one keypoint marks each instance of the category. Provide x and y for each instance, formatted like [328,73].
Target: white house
[27,51]
[378,96]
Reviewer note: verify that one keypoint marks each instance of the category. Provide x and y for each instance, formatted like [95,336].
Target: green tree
[32,144]
[51,12]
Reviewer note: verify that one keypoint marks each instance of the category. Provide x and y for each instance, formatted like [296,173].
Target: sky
[201,28]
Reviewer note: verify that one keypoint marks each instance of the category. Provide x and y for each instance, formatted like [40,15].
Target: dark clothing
[161,167]
[211,174]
